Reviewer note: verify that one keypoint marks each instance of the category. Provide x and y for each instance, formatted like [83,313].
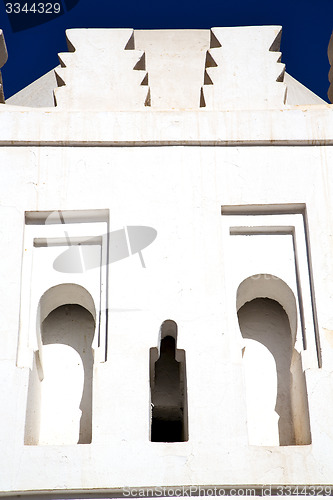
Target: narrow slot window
[168,388]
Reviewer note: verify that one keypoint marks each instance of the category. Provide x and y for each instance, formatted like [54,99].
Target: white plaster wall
[178,190]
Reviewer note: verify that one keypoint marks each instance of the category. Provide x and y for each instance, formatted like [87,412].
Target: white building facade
[167,270]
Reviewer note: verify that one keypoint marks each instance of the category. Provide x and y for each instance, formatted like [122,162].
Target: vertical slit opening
[168,388]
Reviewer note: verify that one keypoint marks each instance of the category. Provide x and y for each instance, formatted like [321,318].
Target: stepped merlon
[121,81]
[243,69]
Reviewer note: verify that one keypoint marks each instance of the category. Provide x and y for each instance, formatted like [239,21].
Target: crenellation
[121,80]
[243,69]
[183,74]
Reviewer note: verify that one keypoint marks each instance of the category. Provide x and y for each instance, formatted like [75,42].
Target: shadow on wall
[59,405]
[277,405]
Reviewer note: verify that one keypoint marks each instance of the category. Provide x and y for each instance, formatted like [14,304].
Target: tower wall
[216,197]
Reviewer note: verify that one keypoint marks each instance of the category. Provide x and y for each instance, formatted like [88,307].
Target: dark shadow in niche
[74,326]
[168,388]
[264,320]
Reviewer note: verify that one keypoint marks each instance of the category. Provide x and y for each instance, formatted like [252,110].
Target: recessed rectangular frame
[61,228]
[289,219]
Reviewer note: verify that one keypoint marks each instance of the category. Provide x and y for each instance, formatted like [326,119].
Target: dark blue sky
[307,27]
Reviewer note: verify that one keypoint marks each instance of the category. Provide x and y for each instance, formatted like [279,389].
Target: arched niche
[276,396]
[59,405]
[66,293]
[271,287]
[168,388]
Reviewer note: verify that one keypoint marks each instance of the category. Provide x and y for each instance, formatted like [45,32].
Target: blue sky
[307,27]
